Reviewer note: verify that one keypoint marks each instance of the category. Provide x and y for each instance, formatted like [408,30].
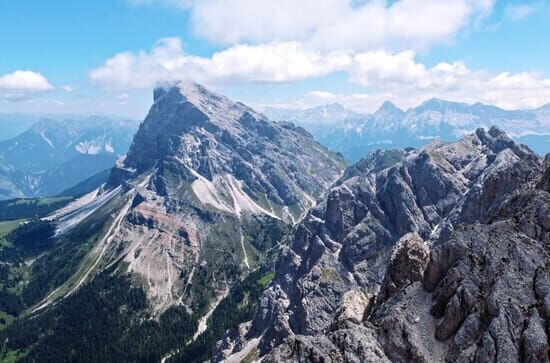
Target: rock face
[202,177]
[279,165]
[435,254]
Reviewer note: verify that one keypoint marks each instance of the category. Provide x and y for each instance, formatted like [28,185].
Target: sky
[106,56]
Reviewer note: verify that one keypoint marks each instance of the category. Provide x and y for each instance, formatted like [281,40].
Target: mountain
[186,229]
[390,127]
[87,185]
[331,113]
[428,255]
[54,155]
[12,125]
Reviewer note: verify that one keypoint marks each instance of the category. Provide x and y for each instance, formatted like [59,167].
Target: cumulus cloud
[394,70]
[273,62]
[331,24]
[22,84]
[167,61]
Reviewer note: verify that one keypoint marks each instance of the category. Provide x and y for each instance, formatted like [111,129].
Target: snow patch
[88,147]
[109,148]
[245,255]
[43,135]
[435,230]
[74,205]
[210,193]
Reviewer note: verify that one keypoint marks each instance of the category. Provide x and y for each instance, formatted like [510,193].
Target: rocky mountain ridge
[354,134]
[435,254]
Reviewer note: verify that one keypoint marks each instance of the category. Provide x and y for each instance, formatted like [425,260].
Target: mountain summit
[389,107]
[218,145]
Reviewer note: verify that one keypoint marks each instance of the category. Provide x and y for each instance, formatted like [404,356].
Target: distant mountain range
[355,134]
[53,155]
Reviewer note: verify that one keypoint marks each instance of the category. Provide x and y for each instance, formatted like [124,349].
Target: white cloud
[516,12]
[332,24]
[392,70]
[506,90]
[22,84]
[167,61]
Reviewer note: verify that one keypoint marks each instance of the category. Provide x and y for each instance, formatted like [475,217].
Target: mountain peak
[388,106]
[494,133]
[185,91]
[205,104]
[334,106]
[433,102]
[497,140]
[439,105]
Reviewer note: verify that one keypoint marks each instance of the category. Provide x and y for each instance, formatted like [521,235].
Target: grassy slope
[8,226]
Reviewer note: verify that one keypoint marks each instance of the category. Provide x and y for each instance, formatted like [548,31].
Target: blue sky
[105,56]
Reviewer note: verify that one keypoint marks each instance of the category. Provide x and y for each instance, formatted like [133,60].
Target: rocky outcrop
[406,266]
[436,254]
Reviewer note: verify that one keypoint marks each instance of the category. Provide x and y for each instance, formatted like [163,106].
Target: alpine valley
[223,236]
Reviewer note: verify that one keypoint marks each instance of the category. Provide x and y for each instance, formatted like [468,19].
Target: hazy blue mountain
[53,155]
[355,135]
[86,186]
[13,124]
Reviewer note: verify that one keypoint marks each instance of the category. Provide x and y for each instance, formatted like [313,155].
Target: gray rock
[445,249]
